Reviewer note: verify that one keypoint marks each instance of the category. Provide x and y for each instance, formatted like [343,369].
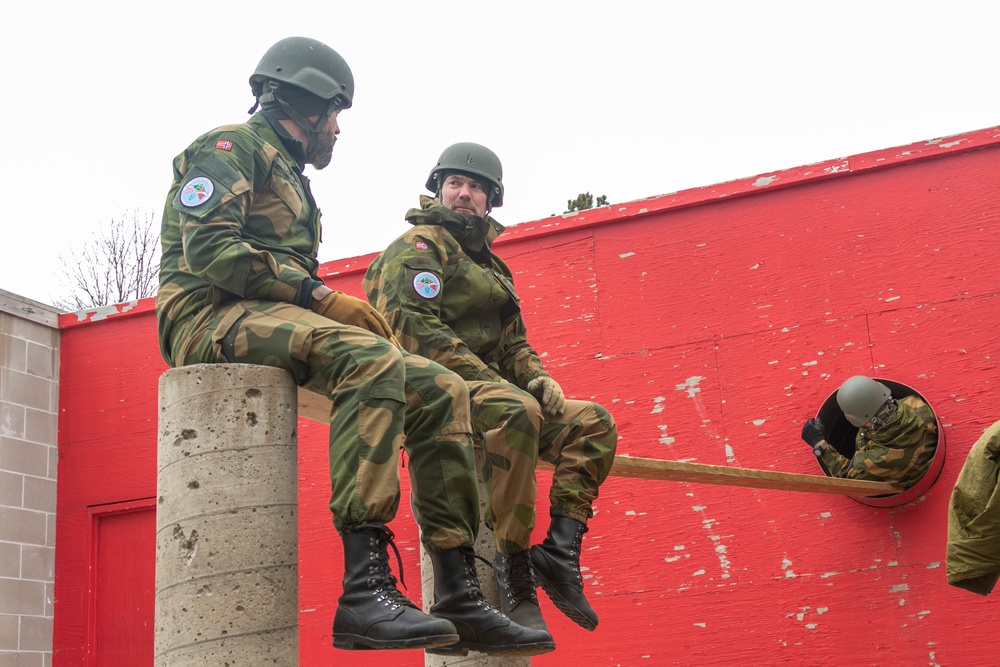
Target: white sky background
[628,99]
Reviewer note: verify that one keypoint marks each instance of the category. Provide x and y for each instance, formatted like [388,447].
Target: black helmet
[309,65]
[472,159]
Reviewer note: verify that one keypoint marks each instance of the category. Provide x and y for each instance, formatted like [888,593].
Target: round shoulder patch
[426,284]
[196,191]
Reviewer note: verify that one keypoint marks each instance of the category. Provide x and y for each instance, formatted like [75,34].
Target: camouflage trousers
[379,393]
[515,432]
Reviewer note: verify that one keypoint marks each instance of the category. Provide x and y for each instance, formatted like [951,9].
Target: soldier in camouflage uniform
[450,299]
[896,438]
[239,284]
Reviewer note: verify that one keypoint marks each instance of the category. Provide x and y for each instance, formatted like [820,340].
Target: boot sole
[360,643]
[564,606]
[463,648]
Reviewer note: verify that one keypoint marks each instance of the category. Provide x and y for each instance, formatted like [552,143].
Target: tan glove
[347,309]
[549,394]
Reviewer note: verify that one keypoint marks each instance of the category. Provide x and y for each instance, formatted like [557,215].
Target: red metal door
[122,584]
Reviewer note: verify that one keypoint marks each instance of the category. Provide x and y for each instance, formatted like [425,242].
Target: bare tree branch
[120,262]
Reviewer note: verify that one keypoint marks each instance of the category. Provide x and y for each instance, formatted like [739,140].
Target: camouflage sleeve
[864,465]
[836,464]
[404,283]
[214,197]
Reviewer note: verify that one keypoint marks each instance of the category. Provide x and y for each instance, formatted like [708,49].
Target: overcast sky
[619,98]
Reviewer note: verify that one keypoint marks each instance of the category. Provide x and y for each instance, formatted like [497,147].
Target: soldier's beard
[321,149]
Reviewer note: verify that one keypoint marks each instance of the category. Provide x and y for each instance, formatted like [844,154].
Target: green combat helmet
[307,64]
[472,159]
[862,398]
[300,77]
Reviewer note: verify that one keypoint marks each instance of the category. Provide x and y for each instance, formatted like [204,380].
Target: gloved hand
[347,309]
[549,394]
[813,434]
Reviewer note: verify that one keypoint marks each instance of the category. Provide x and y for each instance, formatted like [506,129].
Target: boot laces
[518,578]
[577,546]
[380,577]
[472,579]
[573,550]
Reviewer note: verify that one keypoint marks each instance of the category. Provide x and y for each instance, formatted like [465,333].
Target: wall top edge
[23,307]
[758,184]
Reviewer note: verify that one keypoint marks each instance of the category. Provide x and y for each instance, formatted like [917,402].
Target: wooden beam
[679,471]
[316,407]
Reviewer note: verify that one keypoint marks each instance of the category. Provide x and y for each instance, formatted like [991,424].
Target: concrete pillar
[487,580]
[226,527]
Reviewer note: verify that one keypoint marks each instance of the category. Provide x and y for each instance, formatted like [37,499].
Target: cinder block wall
[29,381]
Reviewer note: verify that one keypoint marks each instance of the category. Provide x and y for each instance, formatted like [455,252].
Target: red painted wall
[711,322]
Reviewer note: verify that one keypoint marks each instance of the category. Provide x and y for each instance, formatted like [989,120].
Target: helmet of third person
[861,398]
[475,160]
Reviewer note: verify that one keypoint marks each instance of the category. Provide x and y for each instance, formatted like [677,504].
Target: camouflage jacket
[239,223]
[450,299]
[973,551]
[900,451]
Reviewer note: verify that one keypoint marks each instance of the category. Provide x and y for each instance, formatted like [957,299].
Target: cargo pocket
[380,410]
[387,389]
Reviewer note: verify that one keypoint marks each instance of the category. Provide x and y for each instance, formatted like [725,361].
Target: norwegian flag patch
[421,245]
[223,145]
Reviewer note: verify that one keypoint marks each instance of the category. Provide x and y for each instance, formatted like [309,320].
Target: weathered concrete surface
[226,527]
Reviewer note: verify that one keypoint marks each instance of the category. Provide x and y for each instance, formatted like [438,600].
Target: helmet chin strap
[884,414]
[312,131]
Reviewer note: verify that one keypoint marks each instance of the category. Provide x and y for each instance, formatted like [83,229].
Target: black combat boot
[557,568]
[372,613]
[516,584]
[481,627]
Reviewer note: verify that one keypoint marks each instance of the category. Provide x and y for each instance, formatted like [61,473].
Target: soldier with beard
[450,298]
[239,284]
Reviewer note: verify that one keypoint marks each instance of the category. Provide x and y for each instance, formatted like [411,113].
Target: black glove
[812,433]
